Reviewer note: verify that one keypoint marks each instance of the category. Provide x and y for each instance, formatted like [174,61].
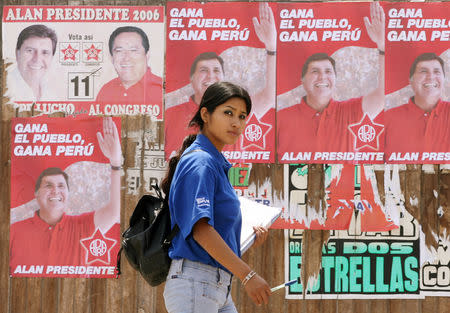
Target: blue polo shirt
[201,189]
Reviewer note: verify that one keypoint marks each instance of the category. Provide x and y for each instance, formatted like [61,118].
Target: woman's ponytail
[173,162]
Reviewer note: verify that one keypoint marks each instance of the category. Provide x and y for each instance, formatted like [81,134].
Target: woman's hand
[261,235]
[210,240]
[258,290]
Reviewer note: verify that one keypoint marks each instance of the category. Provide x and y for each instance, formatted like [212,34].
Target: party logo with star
[366,133]
[69,52]
[255,133]
[92,52]
[98,247]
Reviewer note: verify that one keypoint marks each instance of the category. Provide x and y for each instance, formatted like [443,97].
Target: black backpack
[146,242]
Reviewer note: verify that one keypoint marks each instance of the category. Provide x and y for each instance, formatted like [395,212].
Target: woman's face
[226,123]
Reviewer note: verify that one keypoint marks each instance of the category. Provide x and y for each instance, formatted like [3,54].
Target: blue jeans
[194,287]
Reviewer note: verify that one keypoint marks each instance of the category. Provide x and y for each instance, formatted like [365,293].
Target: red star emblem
[69,53]
[366,133]
[98,247]
[92,52]
[255,133]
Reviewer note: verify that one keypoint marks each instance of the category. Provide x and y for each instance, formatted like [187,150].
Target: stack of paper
[255,214]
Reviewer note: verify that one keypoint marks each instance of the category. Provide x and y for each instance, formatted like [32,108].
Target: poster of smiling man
[330,82]
[110,63]
[65,197]
[417,113]
[213,42]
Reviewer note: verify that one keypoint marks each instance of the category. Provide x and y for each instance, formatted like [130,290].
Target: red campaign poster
[417,112]
[375,217]
[339,190]
[65,196]
[330,82]
[211,42]
[94,60]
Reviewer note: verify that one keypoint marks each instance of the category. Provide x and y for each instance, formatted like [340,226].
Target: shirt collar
[144,79]
[205,144]
[192,105]
[306,109]
[41,223]
[148,77]
[438,109]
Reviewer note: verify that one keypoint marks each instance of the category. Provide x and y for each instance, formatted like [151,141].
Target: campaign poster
[360,265]
[417,116]
[330,82]
[212,42]
[336,207]
[93,60]
[65,196]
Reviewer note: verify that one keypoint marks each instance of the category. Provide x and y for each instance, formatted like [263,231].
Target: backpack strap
[172,235]
[158,191]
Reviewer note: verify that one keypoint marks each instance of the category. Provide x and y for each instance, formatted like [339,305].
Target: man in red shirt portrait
[136,84]
[208,68]
[320,123]
[422,124]
[52,237]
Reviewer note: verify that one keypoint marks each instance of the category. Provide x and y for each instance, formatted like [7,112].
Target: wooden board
[130,293]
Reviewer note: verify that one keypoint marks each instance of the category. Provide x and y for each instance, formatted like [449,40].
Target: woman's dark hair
[217,94]
[167,180]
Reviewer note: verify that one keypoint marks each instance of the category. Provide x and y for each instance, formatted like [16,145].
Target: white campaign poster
[84,59]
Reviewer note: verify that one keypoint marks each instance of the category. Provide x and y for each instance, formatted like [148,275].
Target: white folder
[255,214]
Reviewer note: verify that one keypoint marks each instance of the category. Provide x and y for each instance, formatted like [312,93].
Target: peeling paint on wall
[260,173]
[429,205]
[444,202]
[316,203]
[312,244]
[370,175]
[394,198]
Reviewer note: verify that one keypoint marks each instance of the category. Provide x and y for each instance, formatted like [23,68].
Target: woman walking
[206,251]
